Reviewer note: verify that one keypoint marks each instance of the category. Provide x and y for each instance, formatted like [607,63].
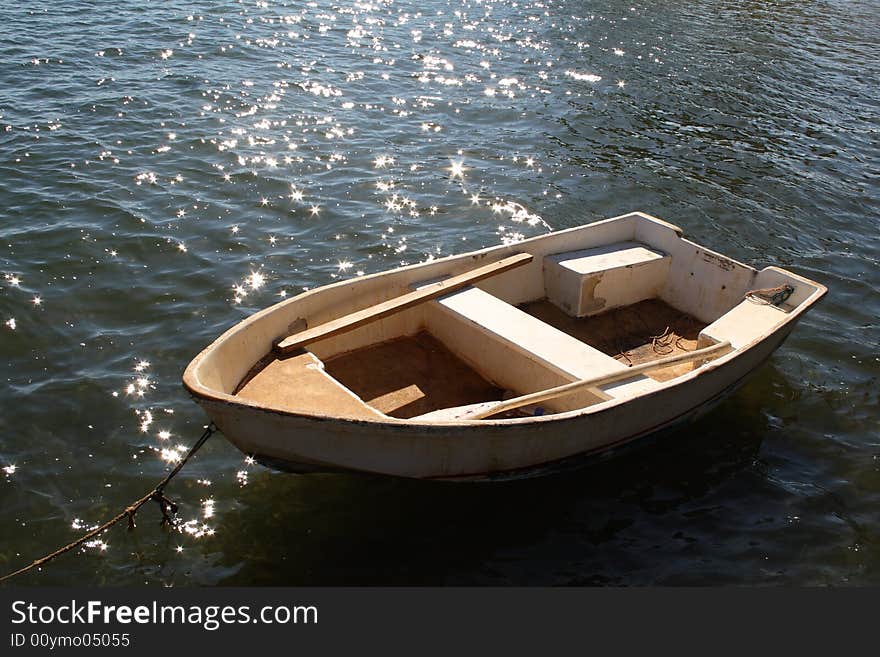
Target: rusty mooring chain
[168,507]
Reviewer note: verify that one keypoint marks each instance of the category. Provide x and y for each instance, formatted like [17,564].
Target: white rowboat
[501,363]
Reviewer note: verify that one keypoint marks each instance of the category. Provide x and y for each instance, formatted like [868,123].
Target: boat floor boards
[629,333]
[410,376]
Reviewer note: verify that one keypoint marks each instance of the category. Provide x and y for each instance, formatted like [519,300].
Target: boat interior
[591,302]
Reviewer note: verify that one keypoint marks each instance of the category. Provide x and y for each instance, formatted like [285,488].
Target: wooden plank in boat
[353,320]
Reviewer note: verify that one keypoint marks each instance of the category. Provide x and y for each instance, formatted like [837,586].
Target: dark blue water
[168,169]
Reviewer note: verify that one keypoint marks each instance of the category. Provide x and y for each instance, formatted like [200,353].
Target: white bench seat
[744,323]
[540,342]
[592,281]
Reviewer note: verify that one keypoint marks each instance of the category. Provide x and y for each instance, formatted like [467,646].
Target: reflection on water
[350,530]
[167,171]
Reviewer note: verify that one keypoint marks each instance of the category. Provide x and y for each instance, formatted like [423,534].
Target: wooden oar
[404,301]
[485,409]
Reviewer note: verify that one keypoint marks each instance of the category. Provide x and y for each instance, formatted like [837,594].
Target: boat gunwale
[202,392]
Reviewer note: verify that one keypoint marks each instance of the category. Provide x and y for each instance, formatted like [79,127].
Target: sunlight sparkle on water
[584,77]
[457,169]
[170,455]
[146,417]
[383,161]
[256,280]
[97,544]
[80,524]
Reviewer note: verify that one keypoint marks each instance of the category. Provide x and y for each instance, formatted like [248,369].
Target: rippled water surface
[167,169]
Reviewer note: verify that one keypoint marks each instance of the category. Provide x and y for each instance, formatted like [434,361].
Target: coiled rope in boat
[157,493]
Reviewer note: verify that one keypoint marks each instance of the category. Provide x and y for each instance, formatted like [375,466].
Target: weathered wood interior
[414,375]
[567,316]
[410,376]
[471,346]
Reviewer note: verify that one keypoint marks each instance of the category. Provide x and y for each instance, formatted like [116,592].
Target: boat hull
[475,451]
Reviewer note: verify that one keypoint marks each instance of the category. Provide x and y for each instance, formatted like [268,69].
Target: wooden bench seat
[540,342]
